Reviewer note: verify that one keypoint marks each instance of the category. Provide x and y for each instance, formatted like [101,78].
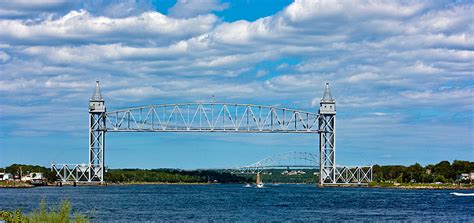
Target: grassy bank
[12,184]
[63,213]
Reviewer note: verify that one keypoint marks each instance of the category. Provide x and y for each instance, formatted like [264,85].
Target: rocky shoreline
[16,185]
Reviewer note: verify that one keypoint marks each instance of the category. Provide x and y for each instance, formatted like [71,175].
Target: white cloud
[4,56]
[189,8]
[363,77]
[20,8]
[81,26]
[261,73]
[376,55]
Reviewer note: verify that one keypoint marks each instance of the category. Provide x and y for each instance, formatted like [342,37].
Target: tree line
[443,172]
[171,176]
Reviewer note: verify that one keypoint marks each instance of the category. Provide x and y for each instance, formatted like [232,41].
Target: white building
[6,176]
[467,176]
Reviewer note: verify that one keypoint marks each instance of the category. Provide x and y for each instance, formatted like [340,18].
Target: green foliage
[444,169]
[12,216]
[42,214]
[381,184]
[441,172]
[276,176]
[460,167]
[170,176]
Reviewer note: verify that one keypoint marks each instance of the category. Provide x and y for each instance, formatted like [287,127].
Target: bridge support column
[96,136]
[327,138]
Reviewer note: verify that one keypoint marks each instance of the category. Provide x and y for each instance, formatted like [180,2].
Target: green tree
[413,173]
[444,169]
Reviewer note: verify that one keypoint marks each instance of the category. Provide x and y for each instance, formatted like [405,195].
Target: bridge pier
[96,136]
[327,138]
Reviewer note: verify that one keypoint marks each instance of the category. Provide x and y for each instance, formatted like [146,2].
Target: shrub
[42,214]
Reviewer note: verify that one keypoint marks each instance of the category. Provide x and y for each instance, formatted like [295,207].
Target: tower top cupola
[96,102]
[327,97]
[97,96]
[327,105]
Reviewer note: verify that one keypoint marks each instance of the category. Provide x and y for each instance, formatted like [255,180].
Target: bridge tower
[327,138]
[96,136]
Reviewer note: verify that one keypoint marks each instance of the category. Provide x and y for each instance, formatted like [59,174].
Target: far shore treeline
[171,176]
[444,172]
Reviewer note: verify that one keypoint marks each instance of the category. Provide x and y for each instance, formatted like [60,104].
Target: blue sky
[401,73]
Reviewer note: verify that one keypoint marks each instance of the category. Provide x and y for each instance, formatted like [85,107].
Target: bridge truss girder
[73,172]
[211,117]
[353,174]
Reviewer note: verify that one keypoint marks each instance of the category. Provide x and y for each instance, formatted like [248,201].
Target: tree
[413,173]
[444,169]
[460,167]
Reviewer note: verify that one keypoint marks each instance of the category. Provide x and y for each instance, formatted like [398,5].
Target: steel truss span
[353,174]
[211,117]
[74,172]
[218,117]
[282,160]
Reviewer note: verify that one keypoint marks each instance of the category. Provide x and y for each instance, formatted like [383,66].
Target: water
[237,203]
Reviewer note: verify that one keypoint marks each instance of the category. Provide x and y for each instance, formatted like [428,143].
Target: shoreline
[382,186]
[16,185]
[426,187]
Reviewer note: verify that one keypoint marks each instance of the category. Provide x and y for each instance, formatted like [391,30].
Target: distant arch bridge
[305,160]
[300,160]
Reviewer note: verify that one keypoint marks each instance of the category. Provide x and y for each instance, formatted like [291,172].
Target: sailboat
[259,181]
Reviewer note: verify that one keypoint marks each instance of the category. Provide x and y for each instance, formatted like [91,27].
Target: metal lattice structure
[211,117]
[214,117]
[327,138]
[302,160]
[73,172]
[353,174]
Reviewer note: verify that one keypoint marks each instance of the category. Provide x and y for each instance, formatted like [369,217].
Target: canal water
[237,203]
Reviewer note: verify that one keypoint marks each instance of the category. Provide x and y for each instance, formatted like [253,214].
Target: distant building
[34,178]
[467,176]
[293,172]
[6,176]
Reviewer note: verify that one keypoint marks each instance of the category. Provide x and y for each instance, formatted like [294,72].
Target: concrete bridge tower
[96,136]
[327,138]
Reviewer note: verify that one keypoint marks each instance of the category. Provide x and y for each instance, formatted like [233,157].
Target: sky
[401,73]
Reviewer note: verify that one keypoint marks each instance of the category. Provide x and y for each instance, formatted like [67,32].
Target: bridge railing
[211,117]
